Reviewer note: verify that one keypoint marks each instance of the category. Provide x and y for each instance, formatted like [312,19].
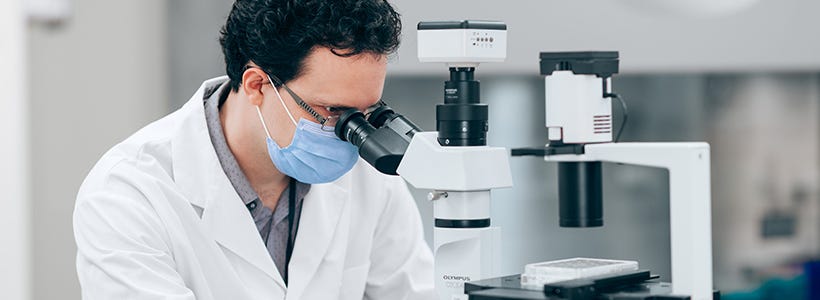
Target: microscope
[453,162]
[578,95]
[460,170]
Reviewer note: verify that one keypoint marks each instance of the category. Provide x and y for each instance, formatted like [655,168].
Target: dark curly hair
[277,35]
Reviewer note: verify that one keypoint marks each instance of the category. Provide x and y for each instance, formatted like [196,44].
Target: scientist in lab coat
[244,192]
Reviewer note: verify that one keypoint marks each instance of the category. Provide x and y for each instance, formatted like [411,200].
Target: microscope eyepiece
[352,127]
[381,115]
[382,138]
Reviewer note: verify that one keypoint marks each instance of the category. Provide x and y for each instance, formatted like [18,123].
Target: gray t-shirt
[272,224]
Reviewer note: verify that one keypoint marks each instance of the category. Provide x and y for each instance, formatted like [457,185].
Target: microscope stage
[632,285]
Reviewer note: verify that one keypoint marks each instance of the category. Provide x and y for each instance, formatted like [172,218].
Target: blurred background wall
[15,219]
[95,78]
[747,80]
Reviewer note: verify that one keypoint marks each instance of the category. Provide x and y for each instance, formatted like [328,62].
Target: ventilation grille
[602,124]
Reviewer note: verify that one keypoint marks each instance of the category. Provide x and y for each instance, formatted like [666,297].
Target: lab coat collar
[201,178]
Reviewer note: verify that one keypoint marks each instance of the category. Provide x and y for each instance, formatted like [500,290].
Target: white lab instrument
[466,247]
[579,122]
[462,44]
[588,119]
[460,169]
[455,162]
[571,90]
[690,216]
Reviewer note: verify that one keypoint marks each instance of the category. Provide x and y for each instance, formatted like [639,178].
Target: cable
[624,110]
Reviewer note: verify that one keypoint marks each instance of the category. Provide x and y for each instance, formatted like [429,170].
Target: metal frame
[690,203]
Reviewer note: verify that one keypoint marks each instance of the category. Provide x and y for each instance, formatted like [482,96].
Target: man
[244,193]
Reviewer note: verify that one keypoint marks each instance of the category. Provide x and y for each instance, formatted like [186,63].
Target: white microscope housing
[578,110]
[455,162]
[580,130]
[462,43]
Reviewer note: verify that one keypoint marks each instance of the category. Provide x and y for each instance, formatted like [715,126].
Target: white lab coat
[157,218]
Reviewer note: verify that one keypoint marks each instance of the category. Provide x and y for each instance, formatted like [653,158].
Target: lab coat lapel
[229,221]
[322,210]
[199,174]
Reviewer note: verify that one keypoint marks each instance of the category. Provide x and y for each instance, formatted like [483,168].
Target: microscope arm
[689,203]
[466,246]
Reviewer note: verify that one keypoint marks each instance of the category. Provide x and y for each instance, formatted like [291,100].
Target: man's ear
[253,80]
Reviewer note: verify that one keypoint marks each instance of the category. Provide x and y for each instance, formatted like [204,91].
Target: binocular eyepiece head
[382,136]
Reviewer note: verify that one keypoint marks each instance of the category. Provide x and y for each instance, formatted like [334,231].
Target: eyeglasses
[328,123]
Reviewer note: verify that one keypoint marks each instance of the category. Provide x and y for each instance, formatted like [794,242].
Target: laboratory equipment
[454,162]
[536,275]
[578,97]
[382,137]
[460,169]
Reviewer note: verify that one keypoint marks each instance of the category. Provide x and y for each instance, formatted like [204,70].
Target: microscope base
[633,285]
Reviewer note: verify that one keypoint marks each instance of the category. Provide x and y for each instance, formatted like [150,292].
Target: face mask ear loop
[282,101]
[261,119]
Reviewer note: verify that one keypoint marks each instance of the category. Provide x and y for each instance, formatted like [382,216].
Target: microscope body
[580,132]
[459,168]
[455,162]
[466,247]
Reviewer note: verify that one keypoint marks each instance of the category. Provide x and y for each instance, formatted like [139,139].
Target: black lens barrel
[353,127]
[462,87]
[462,119]
[580,194]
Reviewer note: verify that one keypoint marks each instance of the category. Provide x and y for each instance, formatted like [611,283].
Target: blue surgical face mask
[314,155]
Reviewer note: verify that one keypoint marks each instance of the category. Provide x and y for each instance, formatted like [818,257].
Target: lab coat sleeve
[401,261]
[122,248]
